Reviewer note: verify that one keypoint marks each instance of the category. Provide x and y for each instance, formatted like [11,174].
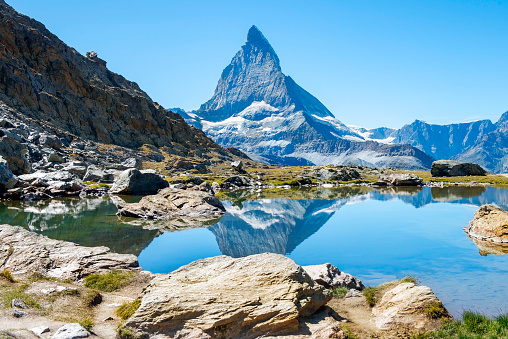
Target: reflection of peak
[270,225]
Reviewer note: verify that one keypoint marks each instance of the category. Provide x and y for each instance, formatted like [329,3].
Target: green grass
[126,310]
[92,298]
[7,275]
[473,325]
[370,294]
[19,293]
[87,324]
[108,282]
[436,310]
[339,292]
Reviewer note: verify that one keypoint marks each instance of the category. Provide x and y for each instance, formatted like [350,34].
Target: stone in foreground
[405,305]
[133,181]
[71,331]
[330,276]
[172,203]
[249,297]
[490,224]
[25,253]
[451,168]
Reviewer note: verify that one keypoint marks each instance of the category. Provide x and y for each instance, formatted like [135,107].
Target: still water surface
[377,235]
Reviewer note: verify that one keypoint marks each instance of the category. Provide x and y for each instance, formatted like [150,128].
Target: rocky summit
[266,114]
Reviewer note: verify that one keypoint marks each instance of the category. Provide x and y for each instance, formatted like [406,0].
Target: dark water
[376,235]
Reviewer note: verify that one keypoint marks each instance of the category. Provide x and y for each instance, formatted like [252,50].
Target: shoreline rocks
[330,276]
[489,230]
[249,297]
[24,253]
[136,182]
[452,168]
[400,180]
[172,203]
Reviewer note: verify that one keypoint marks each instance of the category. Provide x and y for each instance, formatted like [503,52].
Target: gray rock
[55,157]
[401,180]
[96,174]
[14,153]
[76,169]
[132,163]
[7,179]
[38,331]
[19,314]
[250,297]
[239,181]
[71,331]
[35,253]
[132,181]
[18,303]
[170,203]
[330,276]
[238,166]
[353,293]
[451,168]
[52,141]
[204,186]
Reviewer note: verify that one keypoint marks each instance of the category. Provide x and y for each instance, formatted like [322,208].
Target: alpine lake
[375,234]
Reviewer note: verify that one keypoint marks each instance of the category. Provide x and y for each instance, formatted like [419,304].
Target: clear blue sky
[372,63]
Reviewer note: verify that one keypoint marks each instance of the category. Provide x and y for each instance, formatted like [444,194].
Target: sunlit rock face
[265,113]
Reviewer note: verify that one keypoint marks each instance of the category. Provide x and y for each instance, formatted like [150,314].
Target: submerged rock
[330,276]
[490,225]
[452,168]
[25,252]
[406,305]
[133,181]
[172,203]
[259,295]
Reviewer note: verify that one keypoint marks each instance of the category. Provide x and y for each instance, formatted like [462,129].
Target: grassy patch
[126,310]
[108,282]
[7,275]
[436,310]
[87,324]
[371,295]
[125,333]
[19,293]
[92,298]
[339,292]
[472,325]
[410,279]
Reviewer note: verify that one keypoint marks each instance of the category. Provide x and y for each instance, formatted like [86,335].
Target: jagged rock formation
[453,168]
[46,80]
[263,112]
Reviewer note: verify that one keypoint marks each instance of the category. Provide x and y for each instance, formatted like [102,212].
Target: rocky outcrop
[406,305]
[133,181]
[400,180]
[7,179]
[14,153]
[451,168]
[25,253]
[172,203]
[250,297]
[330,276]
[490,224]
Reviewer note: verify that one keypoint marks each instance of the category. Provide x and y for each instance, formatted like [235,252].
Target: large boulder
[96,174]
[71,331]
[490,224]
[259,295]
[172,203]
[452,168]
[7,179]
[14,153]
[239,181]
[330,276]
[25,253]
[133,181]
[401,180]
[407,305]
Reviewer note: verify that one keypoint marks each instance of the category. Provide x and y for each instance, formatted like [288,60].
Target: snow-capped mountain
[266,114]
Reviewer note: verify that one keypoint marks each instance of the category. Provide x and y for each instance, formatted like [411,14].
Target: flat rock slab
[249,297]
[171,203]
[404,305]
[25,252]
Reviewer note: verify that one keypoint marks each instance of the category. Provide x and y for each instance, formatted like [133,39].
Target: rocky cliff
[46,80]
[265,113]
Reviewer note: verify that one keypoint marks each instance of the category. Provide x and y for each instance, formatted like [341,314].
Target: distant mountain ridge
[481,142]
[266,114]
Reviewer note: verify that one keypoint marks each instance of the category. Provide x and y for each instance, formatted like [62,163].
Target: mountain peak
[255,37]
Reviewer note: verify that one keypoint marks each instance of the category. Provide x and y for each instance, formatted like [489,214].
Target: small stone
[38,331]
[71,331]
[19,314]
[108,319]
[48,291]
[352,293]
[18,303]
